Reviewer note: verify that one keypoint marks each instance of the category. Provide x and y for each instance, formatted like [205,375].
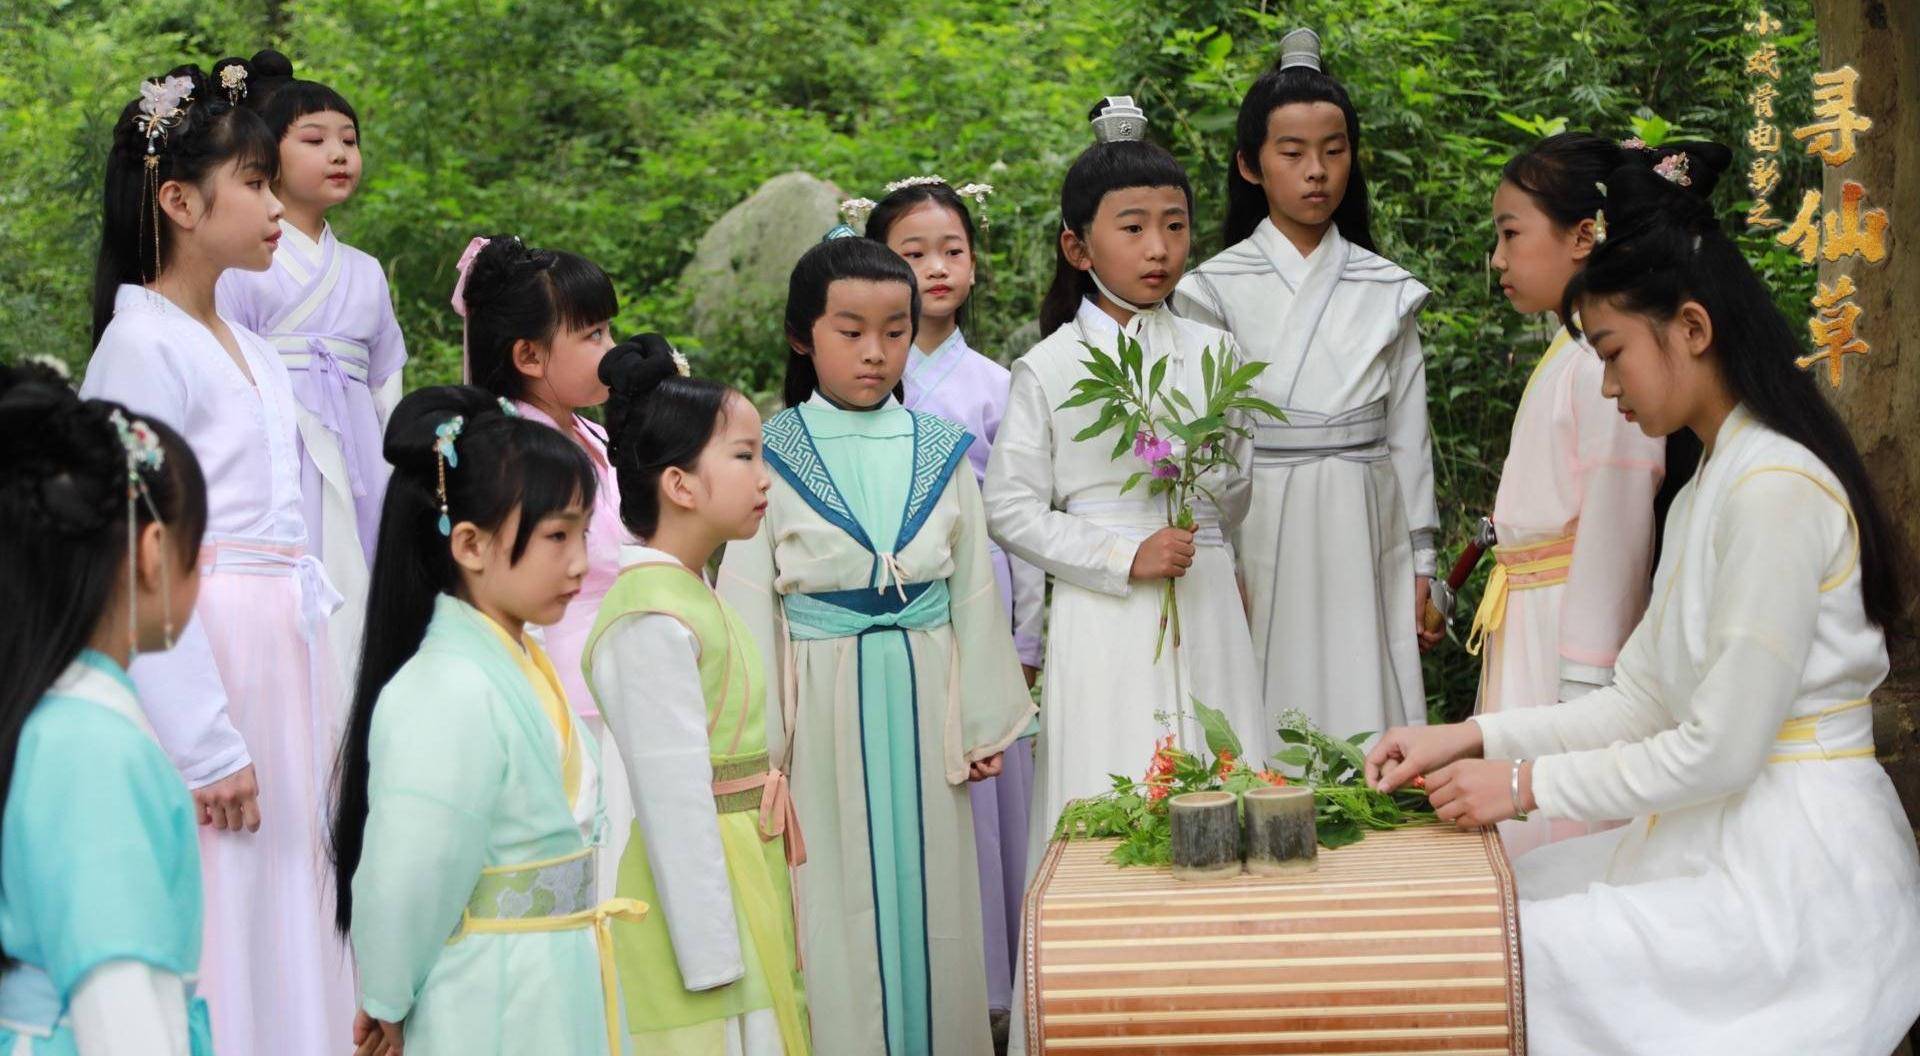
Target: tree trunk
[1880,398]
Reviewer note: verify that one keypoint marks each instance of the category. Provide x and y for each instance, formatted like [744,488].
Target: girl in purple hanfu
[926,221]
[325,308]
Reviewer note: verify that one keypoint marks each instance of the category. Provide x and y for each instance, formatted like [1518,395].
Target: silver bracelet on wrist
[1518,814]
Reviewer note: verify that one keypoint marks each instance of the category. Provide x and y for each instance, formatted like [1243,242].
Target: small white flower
[856,210]
[680,364]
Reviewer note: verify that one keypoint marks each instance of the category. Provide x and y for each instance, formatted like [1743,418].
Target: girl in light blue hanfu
[101,515]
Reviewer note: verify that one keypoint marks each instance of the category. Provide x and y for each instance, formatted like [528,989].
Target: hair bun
[501,262]
[1698,171]
[1668,186]
[64,466]
[268,64]
[635,367]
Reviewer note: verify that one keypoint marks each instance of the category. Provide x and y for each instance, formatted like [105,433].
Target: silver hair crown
[1120,121]
[1300,48]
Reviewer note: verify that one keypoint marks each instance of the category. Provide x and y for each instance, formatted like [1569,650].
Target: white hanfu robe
[1343,515]
[325,307]
[1579,478]
[1057,503]
[249,681]
[1766,898]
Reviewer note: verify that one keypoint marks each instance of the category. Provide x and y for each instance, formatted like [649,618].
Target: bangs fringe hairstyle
[281,99]
[857,259]
[517,293]
[1099,170]
[906,200]
[507,464]
[1563,175]
[63,532]
[1666,247]
[1247,202]
[210,133]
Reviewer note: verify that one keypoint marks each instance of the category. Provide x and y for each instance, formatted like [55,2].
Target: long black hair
[656,419]
[518,293]
[1665,247]
[1099,170]
[1247,202]
[506,463]
[135,236]
[280,98]
[1563,174]
[860,259]
[905,200]
[63,532]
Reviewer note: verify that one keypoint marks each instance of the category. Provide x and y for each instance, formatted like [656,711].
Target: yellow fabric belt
[600,918]
[1517,568]
[1805,730]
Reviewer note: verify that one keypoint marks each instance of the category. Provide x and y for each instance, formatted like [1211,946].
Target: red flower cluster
[1160,770]
[1273,777]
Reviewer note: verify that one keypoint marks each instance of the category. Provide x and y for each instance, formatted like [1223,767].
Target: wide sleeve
[1197,299]
[1618,471]
[646,677]
[1409,440]
[126,1008]
[1776,541]
[437,763]
[1019,501]
[99,845]
[388,351]
[995,704]
[746,580]
[180,689]
[1628,709]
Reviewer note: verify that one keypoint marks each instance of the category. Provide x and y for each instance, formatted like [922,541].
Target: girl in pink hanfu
[538,323]
[242,704]
[926,221]
[1576,508]
[325,307]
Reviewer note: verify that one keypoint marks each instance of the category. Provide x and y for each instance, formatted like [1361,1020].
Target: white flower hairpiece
[856,210]
[160,107]
[233,80]
[142,444]
[1634,143]
[914,181]
[976,191]
[680,364]
[53,363]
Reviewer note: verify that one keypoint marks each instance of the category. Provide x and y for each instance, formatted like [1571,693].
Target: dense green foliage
[623,128]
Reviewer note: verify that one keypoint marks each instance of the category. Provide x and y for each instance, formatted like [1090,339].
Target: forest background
[622,129]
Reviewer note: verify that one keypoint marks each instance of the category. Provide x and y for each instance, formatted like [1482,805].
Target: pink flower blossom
[1165,471]
[1150,448]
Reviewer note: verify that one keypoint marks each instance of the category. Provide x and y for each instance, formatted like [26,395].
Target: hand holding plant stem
[1178,451]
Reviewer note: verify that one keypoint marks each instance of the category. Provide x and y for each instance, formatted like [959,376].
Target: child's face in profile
[1137,242]
[860,342]
[537,587]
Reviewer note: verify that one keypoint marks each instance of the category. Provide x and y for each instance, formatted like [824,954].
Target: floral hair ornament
[915,181]
[507,408]
[1600,217]
[144,455]
[162,104]
[680,364]
[1634,143]
[854,212]
[233,81]
[1674,168]
[444,435]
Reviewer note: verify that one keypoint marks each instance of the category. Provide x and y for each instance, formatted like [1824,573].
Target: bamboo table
[1406,942]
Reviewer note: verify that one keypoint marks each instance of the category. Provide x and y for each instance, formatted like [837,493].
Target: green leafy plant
[1151,416]
[1135,812]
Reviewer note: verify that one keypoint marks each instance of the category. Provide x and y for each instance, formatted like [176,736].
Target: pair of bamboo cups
[1266,832]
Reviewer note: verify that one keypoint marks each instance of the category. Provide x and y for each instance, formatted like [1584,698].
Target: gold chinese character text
[1762,98]
[1831,137]
[1764,26]
[1832,326]
[1763,175]
[1761,215]
[1764,138]
[1849,231]
[1804,235]
[1765,61]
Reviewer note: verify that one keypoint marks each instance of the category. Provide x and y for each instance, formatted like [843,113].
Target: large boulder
[737,280]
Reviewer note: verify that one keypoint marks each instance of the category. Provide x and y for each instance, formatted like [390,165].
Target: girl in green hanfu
[468,802]
[679,680]
[870,588]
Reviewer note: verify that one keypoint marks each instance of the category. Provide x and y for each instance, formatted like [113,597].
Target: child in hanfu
[870,590]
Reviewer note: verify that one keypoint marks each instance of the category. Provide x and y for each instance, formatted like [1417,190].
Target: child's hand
[1166,554]
[231,803]
[376,1037]
[985,768]
[1422,602]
